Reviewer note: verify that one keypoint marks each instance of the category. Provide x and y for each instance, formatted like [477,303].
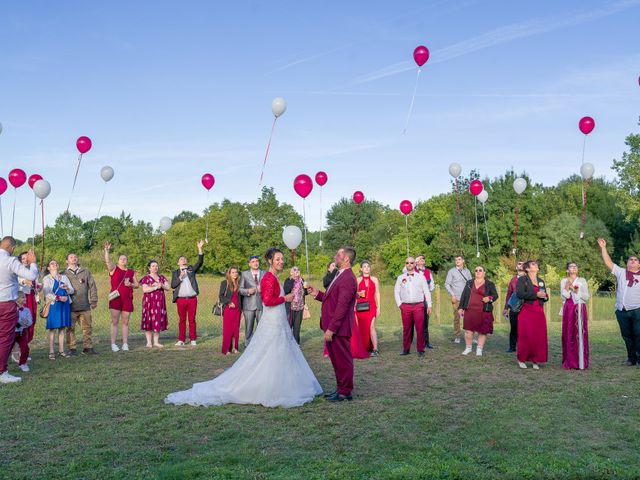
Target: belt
[187,298]
[414,303]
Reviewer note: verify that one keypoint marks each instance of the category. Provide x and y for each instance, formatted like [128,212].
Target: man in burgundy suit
[336,319]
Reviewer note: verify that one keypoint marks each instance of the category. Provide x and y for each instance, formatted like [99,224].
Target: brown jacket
[86,295]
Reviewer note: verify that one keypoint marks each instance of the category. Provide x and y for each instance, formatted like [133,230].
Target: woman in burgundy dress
[368,293]
[575,337]
[123,280]
[476,308]
[532,324]
[154,305]
[231,311]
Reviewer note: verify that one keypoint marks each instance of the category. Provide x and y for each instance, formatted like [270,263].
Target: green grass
[445,416]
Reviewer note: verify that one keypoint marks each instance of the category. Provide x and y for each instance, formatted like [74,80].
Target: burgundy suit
[338,304]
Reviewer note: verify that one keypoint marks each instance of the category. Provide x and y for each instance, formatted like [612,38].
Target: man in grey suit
[250,293]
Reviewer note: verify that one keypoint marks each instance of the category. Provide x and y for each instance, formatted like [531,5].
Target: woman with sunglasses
[295,308]
[476,310]
[532,324]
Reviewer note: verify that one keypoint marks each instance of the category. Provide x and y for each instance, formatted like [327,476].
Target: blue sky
[170,90]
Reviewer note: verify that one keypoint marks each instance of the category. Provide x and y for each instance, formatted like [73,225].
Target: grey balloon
[0,128]
[278,106]
[42,189]
[165,224]
[106,173]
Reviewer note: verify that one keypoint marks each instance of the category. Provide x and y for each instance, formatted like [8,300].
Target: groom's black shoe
[327,395]
[404,353]
[336,397]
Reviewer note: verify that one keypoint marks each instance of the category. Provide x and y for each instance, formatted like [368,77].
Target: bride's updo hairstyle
[271,253]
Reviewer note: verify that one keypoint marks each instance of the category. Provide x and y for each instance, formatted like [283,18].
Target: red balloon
[83,144]
[321,178]
[421,55]
[476,188]
[358,197]
[3,185]
[33,179]
[586,125]
[303,185]
[406,207]
[17,177]
[208,181]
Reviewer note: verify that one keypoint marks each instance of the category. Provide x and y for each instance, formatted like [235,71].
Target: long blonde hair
[235,283]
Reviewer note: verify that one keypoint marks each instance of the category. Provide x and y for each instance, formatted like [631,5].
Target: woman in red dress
[154,305]
[229,289]
[123,280]
[364,338]
[476,309]
[532,324]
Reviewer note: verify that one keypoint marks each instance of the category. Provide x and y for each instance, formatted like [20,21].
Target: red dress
[31,303]
[364,319]
[476,320]
[231,324]
[154,307]
[124,302]
[532,332]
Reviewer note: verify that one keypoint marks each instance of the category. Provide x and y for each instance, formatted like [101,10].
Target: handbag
[363,307]
[306,314]
[116,293]
[44,311]
[515,303]
[217,308]
[487,307]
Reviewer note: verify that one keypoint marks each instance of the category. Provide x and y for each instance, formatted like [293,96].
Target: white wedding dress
[272,371]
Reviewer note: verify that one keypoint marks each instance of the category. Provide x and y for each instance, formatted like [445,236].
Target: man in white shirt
[421,266]
[411,292]
[456,279]
[185,295]
[10,270]
[627,302]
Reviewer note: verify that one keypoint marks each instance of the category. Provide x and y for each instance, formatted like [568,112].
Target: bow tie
[630,278]
[410,274]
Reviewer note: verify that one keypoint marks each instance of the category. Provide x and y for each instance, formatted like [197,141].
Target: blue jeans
[629,321]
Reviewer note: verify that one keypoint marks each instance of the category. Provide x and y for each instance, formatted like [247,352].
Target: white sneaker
[114,348]
[536,366]
[478,351]
[179,343]
[522,365]
[193,343]
[6,377]
[467,351]
[125,347]
[24,368]
[456,340]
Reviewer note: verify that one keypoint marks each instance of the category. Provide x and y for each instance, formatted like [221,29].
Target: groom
[336,319]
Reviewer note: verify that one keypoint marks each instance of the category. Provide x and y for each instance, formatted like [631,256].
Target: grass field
[444,416]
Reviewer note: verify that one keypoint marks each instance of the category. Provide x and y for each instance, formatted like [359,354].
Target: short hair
[71,253]
[20,256]
[269,254]
[528,263]
[459,256]
[418,256]
[571,263]
[149,264]
[9,240]
[252,257]
[350,252]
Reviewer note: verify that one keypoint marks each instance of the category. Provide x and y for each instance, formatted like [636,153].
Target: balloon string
[486,229]
[515,230]
[477,239]
[13,215]
[1,219]
[266,154]
[584,200]
[413,97]
[293,257]
[42,206]
[33,235]
[75,178]
[321,218]
[455,183]
[95,224]
[306,248]
[206,221]
[584,145]
[162,254]
[406,228]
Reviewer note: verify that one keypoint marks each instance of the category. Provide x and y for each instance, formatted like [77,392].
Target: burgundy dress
[475,320]
[124,302]
[570,338]
[532,332]
[231,324]
[365,319]
[154,307]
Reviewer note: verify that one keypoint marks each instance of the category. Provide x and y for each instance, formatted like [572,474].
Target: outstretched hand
[602,242]
[200,245]
[311,290]
[107,246]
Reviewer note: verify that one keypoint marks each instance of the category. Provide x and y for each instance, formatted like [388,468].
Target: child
[25,320]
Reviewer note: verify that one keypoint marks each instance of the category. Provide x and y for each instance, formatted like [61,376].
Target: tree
[185,216]
[628,170]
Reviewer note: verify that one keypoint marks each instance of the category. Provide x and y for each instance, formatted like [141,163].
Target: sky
[170,90]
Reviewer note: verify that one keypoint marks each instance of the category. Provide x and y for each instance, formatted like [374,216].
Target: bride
[272,370]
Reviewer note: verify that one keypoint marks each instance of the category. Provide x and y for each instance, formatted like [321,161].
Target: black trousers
[295,321]
[426,325]
[629,321]
[513,333]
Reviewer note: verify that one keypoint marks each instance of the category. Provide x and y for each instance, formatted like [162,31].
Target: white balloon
[455,169]
[278,106]
[482,196]
[165,224]
[292,236]
[106,173]
[586,170]
[519,185]
[42,189]
[0,128]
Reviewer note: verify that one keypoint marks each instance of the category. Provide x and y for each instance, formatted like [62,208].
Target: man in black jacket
[185,295]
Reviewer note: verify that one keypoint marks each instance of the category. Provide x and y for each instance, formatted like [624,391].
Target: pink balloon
[406,207]
[421,55]
[303,185]
[358,197]
[208,181]
[33,179]
[476,188]
[586,125]
[321,178]
[17,177]
[3,185]
[83,144]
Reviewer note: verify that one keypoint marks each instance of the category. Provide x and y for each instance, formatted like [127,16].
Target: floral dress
[154,306]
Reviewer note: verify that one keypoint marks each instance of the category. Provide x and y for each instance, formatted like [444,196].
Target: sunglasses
[409,263]
[479,270]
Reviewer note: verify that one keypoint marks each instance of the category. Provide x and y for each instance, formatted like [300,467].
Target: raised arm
[200,261]
[605,255]
[107,260]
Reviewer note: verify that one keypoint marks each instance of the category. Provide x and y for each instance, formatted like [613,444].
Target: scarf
[630,278]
